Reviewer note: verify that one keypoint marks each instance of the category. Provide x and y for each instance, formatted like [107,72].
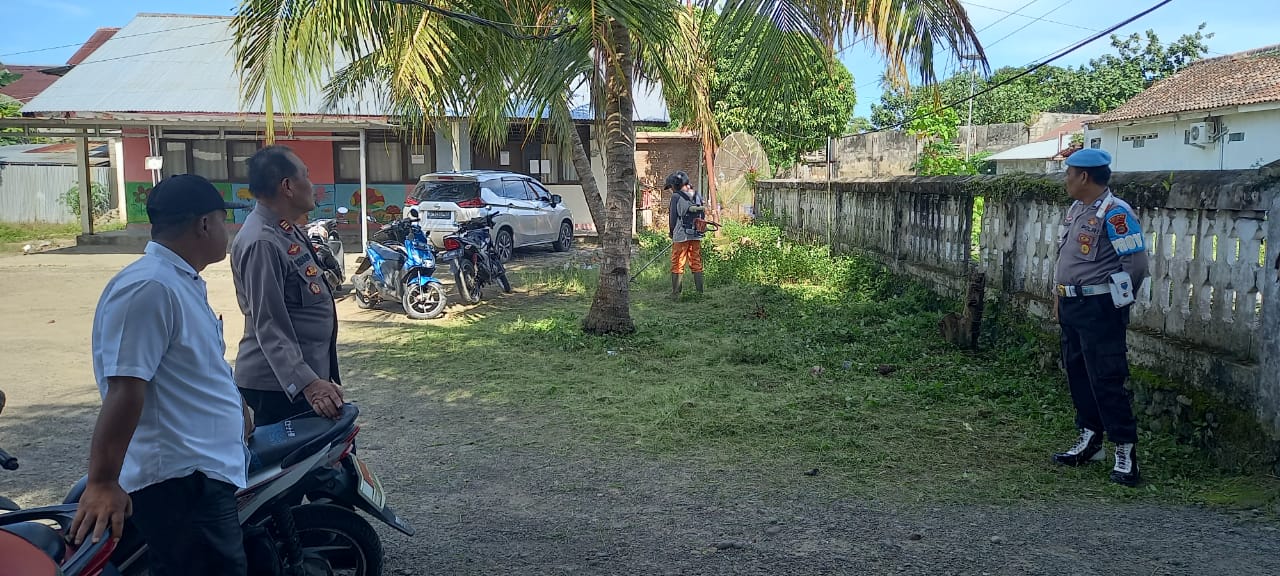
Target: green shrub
[101,198]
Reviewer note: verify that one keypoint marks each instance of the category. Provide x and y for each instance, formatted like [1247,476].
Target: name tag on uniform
[302,259]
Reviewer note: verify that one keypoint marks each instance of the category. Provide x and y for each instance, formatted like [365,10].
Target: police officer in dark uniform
[1102,259]
[288,359]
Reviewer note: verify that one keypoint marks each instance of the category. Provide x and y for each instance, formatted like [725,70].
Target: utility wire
[78,44]
[503,27]
[1041,64]
[1024,26]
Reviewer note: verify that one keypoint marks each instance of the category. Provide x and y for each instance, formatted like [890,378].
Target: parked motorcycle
[474,259]
[32,543]
[328,246]
[298,513]
[398,265]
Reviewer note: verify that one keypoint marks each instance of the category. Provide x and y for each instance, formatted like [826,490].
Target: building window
[1139,143]
[239,152]
[175,158]
[215,159]
[388,160]
[209,159]
[1236,137]
[1095,142]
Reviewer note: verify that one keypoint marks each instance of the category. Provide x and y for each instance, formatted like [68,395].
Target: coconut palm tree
[488,60]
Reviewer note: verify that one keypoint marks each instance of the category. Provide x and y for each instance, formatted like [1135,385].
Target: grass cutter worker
[686,239]
[1102,260]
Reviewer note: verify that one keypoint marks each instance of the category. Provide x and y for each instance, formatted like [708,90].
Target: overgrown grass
[796,360]
[11,233]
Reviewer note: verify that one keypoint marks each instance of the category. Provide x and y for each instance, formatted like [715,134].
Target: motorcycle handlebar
[7,461]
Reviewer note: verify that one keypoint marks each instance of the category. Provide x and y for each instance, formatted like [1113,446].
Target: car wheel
[505,244]
[565,240]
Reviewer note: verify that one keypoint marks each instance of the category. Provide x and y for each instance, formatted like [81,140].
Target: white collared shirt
[154,323]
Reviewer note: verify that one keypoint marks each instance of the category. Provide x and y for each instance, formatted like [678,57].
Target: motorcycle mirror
[342,210]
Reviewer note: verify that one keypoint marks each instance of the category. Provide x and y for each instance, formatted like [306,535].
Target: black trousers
[1095,356]
[191,527]
[271,407]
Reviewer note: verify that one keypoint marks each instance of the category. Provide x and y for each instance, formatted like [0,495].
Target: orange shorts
[688,252]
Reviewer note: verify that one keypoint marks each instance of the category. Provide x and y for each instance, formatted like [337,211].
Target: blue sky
[1237,24]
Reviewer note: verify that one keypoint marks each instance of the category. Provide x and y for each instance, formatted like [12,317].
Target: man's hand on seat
[325,398]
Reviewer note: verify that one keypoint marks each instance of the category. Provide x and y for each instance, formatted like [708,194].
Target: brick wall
[658,154]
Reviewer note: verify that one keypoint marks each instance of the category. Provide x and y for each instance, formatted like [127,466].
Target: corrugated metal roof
[60,154]
[1042,150]
[184,63]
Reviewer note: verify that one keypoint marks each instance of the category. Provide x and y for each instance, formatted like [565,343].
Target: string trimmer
[702,226]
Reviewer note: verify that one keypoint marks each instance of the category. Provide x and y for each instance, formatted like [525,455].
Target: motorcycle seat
[286,442]
[43,537]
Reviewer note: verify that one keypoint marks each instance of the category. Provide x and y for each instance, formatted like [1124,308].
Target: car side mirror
[556,200]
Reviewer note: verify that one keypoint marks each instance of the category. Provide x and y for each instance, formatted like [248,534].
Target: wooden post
[974,301]
[86,180]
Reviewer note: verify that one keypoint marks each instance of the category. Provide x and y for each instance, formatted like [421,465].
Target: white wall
[1261,144]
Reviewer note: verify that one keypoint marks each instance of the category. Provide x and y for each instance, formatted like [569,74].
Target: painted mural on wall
[386,201]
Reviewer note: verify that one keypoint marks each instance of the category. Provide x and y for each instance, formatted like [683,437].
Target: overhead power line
[1044,62]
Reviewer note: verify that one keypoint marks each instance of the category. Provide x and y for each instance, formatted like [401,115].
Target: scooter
[399,265]
[473,258]
[32,541]
[324,238]
[298,512]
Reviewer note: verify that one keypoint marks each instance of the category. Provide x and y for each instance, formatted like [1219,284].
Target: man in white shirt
[169,446]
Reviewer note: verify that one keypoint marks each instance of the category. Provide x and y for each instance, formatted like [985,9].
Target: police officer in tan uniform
[288,359]
[1102,259]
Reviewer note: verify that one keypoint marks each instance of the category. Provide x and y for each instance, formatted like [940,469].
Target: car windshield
[446,191]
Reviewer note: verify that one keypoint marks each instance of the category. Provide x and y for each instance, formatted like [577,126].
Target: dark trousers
[271,407]
[1094,354]
[191,527]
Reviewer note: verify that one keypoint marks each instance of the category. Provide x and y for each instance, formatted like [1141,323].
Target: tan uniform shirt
[291,324]
[1097,241]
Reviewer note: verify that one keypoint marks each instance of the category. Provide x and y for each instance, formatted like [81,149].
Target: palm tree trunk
[582,165]
[611,308]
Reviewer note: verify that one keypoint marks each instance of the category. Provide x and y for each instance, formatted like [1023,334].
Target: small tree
[100,196]
[939,128]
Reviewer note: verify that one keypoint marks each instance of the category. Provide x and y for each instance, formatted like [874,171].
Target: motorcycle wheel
[423,302]
[465,278]
[339,538]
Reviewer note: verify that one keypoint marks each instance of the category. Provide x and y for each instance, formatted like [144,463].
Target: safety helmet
[676,181]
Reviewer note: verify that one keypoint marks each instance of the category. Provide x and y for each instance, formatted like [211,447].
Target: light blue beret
[1089,158]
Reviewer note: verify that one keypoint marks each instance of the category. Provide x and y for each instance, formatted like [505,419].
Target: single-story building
[1219,113]
[1044,155]
[166,85]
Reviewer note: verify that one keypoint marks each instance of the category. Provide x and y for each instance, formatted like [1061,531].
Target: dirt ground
[501,493]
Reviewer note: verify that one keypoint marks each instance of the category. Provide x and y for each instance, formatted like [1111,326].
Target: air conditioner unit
[1202,133]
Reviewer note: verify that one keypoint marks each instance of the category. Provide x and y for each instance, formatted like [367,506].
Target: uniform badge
[1120,223]
[1085,239]
[1084,248]
[312,270]
[286,225]
[294,249]
[315,288]
[1093,222]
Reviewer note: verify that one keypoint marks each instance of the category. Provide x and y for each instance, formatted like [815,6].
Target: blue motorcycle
[399,266]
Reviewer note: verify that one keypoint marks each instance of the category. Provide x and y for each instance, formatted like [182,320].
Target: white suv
[528,214]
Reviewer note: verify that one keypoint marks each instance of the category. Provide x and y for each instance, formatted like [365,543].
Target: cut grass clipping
[793,360]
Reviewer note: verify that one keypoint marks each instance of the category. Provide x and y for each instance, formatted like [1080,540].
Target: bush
[101,198]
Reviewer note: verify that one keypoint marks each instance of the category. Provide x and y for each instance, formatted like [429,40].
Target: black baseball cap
[185,196]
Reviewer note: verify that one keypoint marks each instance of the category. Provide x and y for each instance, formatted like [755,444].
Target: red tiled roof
[1251,77]
[99,37]
[31,83]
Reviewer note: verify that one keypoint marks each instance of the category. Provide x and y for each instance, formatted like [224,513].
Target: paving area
[500,493]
